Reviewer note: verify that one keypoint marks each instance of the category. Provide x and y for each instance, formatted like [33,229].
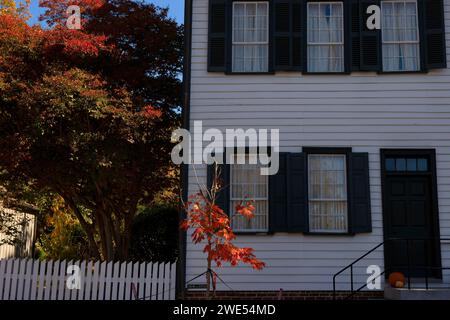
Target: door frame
[430,154]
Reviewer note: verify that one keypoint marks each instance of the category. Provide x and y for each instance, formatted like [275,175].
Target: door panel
[409,218]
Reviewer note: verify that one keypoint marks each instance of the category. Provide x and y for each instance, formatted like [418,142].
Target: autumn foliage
[87,114]
[210,224]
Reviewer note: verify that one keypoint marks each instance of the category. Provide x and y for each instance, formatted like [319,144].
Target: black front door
[409,215]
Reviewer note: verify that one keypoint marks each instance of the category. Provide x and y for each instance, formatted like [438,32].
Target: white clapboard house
[364,120]
[27,224]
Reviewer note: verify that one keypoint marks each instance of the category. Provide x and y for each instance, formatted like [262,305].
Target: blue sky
[176,9]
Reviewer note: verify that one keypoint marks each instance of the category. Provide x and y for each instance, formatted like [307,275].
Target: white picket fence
[26,279]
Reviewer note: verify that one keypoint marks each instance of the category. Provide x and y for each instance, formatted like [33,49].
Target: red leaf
[211,223]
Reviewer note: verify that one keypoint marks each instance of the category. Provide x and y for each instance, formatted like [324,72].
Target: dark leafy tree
[72,124]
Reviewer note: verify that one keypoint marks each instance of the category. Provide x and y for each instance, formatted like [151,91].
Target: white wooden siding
[25,248]
[365,111]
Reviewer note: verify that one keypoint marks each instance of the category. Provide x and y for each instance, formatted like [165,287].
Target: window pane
[325,58]
[239,22]
[411,164]
[258,223]
[422,164]
[325,37]
[250,58]
[401,48]
[328,216]
[390,164]
[400,164]
[327,193]
[247,183]
[401,57]
[250,37]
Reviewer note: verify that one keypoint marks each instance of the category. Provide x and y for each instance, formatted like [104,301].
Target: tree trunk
[88,229]
[208,282]
[208,276]
[126,237]
[105,237]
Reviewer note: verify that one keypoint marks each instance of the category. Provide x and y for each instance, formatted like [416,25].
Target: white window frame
[312,230]
[245,43]
[383,41]
[233,199]
[341,43]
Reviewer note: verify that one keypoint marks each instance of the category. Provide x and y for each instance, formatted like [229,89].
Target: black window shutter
[288,195]
[360,210]
[297,191]
[370,40]
[223,197]
[298,40]
[355,26]
[218,35]
[433,34]
[287,35]
[277,197]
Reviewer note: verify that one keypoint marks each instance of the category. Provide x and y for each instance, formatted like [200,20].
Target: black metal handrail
[408,266]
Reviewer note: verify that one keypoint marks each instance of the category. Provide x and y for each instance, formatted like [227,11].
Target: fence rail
[26,279]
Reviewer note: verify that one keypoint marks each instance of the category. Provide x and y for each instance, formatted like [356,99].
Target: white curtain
[248,183]
[327,191]
[250,37]
[325,37]
[401,50]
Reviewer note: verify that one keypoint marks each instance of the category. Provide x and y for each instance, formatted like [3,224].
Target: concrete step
[416,294]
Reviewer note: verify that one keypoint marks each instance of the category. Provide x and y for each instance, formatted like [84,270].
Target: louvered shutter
[370,40]
[219,18]
[433,34]
[355,28]
[277,197]
[287,35]
[297,191]
[360,208]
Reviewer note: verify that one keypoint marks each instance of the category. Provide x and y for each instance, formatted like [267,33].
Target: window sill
[342,234]
[308,73]
[403,72]
[251,233]
[231,73]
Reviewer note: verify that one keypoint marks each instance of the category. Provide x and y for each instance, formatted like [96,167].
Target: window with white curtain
[400,34]
[250,37]
[247,183]
[325,37]
[327,193]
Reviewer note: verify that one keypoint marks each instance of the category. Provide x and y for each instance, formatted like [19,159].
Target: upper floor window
[313,36]
[247,183]
[327,193]
[400,34]
[250,37]
[325,37]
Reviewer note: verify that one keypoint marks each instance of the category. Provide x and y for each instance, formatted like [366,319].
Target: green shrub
[155,234]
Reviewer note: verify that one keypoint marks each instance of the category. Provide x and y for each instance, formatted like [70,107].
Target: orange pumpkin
[397,279]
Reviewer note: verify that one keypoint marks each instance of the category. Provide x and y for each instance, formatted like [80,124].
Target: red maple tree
[209,222]
[87,114]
